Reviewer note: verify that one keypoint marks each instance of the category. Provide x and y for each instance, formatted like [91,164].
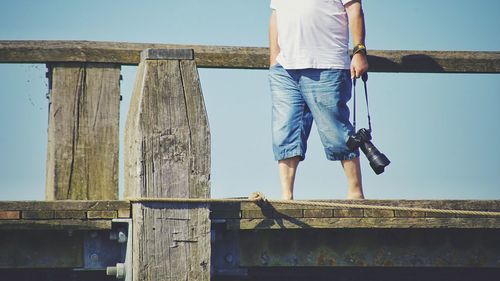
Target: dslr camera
[362,139]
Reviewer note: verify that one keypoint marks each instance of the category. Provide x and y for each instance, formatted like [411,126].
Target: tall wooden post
[82,152]
[167,154]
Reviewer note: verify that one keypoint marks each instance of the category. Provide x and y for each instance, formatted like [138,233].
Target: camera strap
[364,77]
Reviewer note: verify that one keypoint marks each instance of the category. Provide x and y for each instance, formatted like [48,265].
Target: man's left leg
[352,170]
[326,93]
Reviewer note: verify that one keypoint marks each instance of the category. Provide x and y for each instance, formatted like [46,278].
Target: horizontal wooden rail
[123,53]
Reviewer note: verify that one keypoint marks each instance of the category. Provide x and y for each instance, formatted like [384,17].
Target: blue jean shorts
[300,96]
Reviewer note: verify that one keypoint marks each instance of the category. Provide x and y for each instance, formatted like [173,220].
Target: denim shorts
[300,96]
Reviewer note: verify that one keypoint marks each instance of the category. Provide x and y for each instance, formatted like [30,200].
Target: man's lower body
[300,96]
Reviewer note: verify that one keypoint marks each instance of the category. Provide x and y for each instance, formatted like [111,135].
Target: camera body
[362,139]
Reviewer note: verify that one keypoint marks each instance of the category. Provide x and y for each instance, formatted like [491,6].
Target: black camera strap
[364,77]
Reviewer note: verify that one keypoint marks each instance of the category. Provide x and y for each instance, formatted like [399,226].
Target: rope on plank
[259,198]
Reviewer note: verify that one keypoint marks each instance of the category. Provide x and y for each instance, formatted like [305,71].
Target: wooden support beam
[240,57]
[61,215]
[167,154]
[82,152]
[240,216]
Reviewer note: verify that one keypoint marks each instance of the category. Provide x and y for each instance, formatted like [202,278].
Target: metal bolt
[118,271]
[122,237]
[229,258]
[264,258]
[94,258]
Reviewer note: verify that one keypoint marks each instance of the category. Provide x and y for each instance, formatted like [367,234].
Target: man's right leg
[287,169]
[291,124]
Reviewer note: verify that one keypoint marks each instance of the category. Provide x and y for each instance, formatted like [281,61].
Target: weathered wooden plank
[70,215]
[167,54]
[348,213]
[485,205]
[10,215]
[125,53]
[37,215]
[371,213]
[124,213]
[64,205]
[102,214]
[318,213]
[296,223]
[167,152]
[82,151]
[55,224]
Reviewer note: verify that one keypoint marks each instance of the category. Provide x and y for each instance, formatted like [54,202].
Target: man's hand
[359,65]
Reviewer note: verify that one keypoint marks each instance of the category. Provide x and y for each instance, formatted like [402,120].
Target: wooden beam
[485,205]
[167,154]
[306,223]
[282,216]
[61,215]
[64,205]
[125,53]
[55,224]
[82,150]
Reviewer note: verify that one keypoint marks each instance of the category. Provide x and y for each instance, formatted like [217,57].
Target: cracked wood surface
[167,154]
[125,53]
[82,150]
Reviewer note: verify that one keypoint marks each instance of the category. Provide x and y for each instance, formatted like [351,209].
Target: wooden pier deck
[264,242]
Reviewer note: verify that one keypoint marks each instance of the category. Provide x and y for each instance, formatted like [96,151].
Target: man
[310,79]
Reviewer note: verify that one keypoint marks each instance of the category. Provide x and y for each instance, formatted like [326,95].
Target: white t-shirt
[312,33]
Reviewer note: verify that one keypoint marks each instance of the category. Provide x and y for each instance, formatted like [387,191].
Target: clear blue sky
[441,131]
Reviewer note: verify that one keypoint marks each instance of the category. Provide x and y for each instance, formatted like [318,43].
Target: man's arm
[274,48]
[359,62]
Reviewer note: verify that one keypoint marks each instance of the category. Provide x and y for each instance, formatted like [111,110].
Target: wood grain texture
[485,205]
[82,151]
[60,224]
[167,154]
[299,223]
[64,205]
[125,53]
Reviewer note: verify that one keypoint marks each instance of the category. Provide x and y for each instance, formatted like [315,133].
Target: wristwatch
[360,48]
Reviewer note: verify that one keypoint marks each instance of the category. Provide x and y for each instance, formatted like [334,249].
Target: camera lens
[378,161]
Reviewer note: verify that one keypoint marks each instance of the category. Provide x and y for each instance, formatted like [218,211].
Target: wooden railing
[239,57]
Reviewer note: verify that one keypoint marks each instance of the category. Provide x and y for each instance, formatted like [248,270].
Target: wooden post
[82,152]
[167,154]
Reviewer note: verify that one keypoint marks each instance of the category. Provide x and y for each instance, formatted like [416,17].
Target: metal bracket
[122,270]
[225,252]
